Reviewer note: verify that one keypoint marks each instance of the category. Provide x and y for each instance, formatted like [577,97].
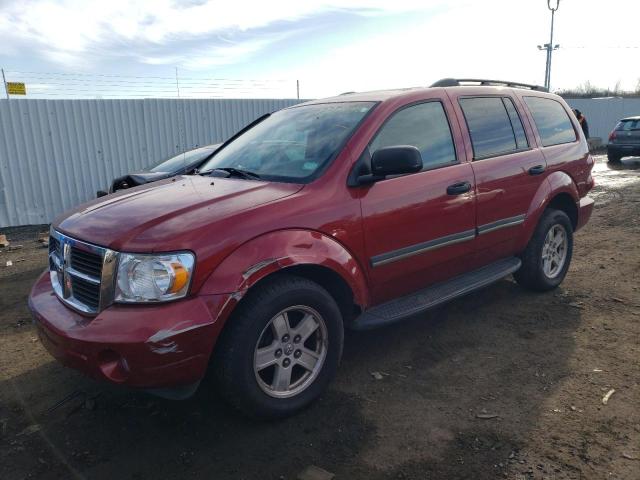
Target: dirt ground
[501,384]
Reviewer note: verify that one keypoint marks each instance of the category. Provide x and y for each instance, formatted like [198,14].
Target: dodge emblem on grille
[76,272]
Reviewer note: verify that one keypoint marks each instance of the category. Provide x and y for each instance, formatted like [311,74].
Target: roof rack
[458,82]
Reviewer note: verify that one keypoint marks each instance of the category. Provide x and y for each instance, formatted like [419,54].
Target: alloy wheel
[554,251]
[290,351]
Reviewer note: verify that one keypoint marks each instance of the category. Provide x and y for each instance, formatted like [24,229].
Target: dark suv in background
[624,140]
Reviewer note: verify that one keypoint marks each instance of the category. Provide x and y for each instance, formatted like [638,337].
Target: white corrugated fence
[55,154]
[603,113]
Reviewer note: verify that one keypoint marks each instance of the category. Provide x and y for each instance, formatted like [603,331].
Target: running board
[400,308]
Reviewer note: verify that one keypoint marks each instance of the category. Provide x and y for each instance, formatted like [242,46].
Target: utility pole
[4,81]
[550,47]
[298,89]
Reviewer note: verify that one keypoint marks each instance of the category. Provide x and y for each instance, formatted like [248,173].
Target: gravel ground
[503,383]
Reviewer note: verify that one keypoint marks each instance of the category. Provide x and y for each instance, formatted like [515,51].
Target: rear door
[508,170]
[419,228]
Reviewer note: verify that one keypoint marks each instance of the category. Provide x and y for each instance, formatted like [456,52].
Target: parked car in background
[624,140]
[356,211]
[181,164]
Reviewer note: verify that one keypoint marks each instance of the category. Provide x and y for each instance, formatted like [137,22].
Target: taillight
[612,135]
[583,188]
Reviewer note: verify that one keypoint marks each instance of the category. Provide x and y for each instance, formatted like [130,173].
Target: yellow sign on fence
[16,88]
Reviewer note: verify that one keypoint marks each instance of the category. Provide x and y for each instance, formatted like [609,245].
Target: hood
[163,216]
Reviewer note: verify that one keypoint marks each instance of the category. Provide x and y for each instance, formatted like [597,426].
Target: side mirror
[397,160]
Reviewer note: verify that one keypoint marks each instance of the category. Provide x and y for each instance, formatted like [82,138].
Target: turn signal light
[180,279]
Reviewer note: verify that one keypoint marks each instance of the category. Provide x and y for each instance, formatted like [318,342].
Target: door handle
[537,170]
[458,188]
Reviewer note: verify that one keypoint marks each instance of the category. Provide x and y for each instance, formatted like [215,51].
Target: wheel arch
[328,279]
[564,202]
[305,253]
[558,190]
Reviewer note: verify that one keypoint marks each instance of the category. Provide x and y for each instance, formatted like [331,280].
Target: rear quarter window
[551,120]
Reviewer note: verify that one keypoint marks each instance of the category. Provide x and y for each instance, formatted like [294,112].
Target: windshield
[627,125]
[183,159]
[292,145]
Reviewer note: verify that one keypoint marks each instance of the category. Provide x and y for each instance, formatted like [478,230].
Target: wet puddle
[610,178]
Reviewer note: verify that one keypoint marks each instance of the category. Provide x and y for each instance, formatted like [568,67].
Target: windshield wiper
[238,172]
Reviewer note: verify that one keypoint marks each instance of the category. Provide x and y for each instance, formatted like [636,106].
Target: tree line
[588,90]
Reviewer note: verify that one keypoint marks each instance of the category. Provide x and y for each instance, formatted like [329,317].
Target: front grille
[86,262]
[86,292]
[78,271]
[54,246]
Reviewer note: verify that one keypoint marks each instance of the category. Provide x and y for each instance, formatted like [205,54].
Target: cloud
[495,39]
[72,32]
[330,45]
[216,51]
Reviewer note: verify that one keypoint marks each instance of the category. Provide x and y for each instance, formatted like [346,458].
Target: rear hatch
[627,132]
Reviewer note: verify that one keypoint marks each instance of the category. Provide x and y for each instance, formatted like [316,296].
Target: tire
[282,303]
[613,158]
[539,274]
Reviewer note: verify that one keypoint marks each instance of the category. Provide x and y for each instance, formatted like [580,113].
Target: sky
[135,48]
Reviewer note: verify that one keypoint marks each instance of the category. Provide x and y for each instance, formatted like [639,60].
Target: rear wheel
[547,257]
[613,158]
[281,348]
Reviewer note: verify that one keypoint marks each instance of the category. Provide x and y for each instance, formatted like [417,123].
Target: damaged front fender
[279,250]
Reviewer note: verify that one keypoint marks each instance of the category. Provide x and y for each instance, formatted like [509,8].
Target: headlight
[153,278]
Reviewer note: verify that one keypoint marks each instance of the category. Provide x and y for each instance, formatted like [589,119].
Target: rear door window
[552,121]
[424,126]
[516,124]
[489,126]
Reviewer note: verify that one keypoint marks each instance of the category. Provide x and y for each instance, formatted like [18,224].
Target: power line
[151,88]
[82,81]
[143,77]
[117,95]
[109,87]
[598,47]
[89,85]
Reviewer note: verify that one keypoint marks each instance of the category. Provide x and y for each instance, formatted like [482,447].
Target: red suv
[349,212]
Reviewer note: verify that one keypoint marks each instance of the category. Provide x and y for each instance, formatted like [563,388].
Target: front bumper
[147,346]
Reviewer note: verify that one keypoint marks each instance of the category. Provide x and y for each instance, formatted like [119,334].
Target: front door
[419,228]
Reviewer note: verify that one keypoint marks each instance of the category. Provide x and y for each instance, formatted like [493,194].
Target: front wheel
[281,348]
[546,259]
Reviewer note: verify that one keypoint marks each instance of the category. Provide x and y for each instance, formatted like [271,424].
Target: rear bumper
[159,346]
[585,208]
[624,150]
